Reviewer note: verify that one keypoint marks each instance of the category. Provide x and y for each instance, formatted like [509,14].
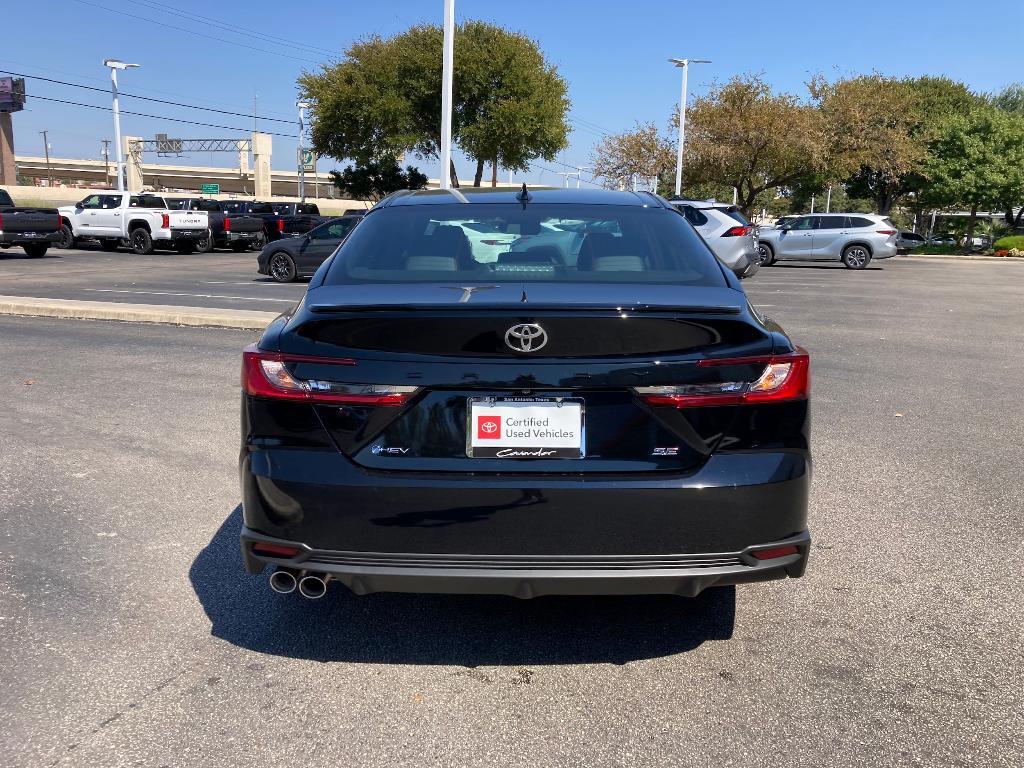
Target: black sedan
[441,415]
[290,258]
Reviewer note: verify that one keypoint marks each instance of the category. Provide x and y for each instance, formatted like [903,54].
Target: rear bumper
[22,238]
[528,535]
[522,577]
[884,251]
[187,235]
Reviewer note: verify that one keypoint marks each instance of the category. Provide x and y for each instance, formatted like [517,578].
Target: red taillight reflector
[784,377]
[267,375]
[280,225]
[2,222]
[886,231]
[771,554]
[274,550]
[737,232]
[165,221]
[227,224]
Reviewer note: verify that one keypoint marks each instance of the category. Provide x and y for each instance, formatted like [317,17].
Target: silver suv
[852,238]
[726,231]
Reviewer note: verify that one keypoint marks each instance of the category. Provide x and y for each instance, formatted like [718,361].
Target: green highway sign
[211,189]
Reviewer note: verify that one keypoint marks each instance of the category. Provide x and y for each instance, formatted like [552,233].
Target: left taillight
[737,232]
[782,377]
[270,375]
[165,222]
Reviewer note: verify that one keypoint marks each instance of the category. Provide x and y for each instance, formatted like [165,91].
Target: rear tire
[856,257]
[205,245]
[36,250]
[765,254]
[140,241]
[67,237]
[281,267]
[109,244]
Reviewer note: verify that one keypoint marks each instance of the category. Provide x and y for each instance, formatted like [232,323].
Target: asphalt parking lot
[130,635]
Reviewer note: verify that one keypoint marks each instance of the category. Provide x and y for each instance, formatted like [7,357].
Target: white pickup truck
[141,221]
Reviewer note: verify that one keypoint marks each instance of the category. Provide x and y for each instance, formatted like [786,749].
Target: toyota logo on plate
[526,337]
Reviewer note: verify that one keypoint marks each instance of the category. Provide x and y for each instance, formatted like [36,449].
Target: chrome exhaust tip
[283,581]
[313,586]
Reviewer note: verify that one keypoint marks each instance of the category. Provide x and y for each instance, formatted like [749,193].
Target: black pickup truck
[34,229]
[299,218]
[237,231]
[273,224]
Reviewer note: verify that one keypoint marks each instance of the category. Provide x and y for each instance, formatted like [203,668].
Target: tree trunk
[1020,216]
[494,173]
[479,178]
[454,175]
[885,202]
[969,239]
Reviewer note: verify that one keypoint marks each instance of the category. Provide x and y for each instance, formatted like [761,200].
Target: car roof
[703,204]
[537,195]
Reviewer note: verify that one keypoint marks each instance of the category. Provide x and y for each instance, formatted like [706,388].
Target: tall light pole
[46,149]
[447,70]
[302,160]
[684,64]
[115,65]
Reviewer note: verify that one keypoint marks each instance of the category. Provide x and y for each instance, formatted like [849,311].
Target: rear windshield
[232,206]
[262,208]
[146,201]
[735,214]
[538,243]
[175,205]
[281,209]
[205,205]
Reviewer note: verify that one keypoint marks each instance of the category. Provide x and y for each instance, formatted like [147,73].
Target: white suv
[852,238]
[726,231]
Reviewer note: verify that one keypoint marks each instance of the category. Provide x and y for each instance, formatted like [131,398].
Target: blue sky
[613,55]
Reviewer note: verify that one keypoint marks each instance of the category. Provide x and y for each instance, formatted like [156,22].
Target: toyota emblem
[526,337]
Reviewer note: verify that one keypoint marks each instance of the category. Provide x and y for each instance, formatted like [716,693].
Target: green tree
[880,130]
[384,98]
[743,135]
[375,179]
[976,161]
[642,152]
[1010,99]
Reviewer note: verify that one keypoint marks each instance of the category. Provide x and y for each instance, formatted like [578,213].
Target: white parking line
[191,295]
[251,282]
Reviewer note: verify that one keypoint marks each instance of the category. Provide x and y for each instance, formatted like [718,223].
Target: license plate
[524,427]
[30,235]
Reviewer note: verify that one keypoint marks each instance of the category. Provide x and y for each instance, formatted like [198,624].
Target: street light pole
[684,64]
[447,70]
[302,160]
[46,149]
[115,65]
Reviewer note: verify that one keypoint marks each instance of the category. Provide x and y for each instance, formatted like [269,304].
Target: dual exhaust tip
[312,586]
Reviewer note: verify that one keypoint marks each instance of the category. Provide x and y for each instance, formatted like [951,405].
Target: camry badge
[526,337]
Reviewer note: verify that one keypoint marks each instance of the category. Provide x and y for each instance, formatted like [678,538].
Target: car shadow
[836,265]
[456,630]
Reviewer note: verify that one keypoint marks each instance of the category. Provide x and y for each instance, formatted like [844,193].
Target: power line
[237,29]
[194,32]
[144,98]
[160,117]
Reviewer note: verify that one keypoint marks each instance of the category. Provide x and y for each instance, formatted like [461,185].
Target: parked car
[142,221]
[416,422]
[909,241]
[299,218]
[943,240]
[290,258]
[34,229]
[855,239]
[239,232]
[726,231]
[273,224]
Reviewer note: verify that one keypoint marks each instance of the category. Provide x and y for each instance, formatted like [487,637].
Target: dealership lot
[134,637]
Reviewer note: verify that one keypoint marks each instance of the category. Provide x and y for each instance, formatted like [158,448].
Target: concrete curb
[962,257]
[136,313]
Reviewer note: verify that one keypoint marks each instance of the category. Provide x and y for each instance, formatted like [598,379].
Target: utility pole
[828,200]
[46,149]
[683,64]
[106,161]
[447,73]
[254,97]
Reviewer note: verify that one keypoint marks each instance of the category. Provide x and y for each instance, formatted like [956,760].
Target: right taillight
[782,377]
[737,232]
[280,226]
[267,375]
